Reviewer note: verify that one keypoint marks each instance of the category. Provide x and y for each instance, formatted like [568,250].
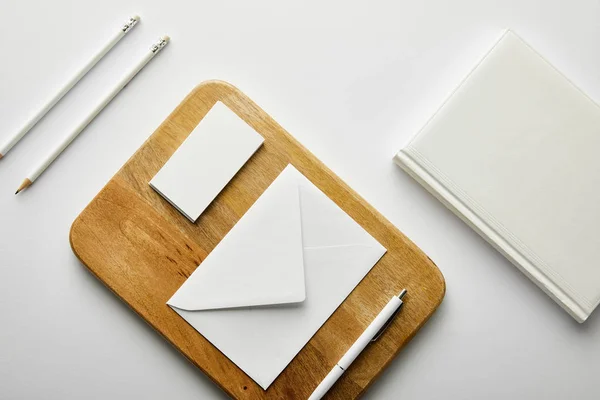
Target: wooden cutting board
[143,249]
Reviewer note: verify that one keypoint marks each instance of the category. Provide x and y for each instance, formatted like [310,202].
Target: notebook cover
[513,152]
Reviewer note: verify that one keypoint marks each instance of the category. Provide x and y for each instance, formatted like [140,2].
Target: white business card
[206,161]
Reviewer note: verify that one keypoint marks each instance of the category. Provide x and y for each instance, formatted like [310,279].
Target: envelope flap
[259,262]
[325,224]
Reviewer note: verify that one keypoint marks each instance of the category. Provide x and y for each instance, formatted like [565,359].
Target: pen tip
[402,294]
[1,156]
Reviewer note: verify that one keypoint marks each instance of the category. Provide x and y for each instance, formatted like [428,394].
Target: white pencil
[103,103]
[5,148]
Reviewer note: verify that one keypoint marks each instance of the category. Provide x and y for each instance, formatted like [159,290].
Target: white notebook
[206,161]
[514,153]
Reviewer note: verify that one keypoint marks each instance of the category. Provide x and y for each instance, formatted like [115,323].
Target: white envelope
[276,277]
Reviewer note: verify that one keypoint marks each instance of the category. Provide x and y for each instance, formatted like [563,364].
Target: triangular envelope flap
[325,224]
[259,262]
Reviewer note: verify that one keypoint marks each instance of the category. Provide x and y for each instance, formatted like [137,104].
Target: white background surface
[353,81]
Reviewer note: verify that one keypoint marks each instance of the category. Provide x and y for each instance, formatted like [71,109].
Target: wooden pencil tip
[26,183]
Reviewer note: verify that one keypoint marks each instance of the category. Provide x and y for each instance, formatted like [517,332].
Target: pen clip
[388,322]
[390,319]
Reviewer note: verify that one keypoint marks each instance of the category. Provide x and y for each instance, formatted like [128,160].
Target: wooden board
[139,246]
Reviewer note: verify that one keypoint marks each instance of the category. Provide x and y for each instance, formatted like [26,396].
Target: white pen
[372,333]
[103,103]
[5,148]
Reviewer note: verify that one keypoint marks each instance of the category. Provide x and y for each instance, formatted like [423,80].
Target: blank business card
[206,161]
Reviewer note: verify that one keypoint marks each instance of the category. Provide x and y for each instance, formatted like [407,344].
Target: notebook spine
[486,230]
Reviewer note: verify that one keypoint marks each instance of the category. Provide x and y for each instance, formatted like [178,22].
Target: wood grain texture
[143,249]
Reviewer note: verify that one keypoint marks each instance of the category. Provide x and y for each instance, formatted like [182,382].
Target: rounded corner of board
[72,236]
[214,83]
[441,281]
